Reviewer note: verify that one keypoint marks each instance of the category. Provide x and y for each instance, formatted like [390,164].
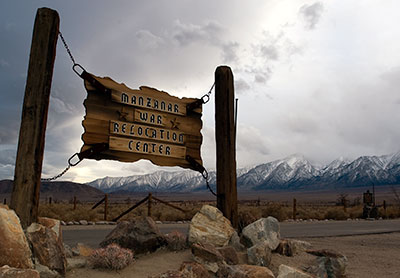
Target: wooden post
[49,200]
[384,208]
[105,207]
[149,205]
[28,165]
[5,201]
[294,208]
[74,202]
[226,144]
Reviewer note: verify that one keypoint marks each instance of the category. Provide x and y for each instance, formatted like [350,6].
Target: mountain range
[291,173]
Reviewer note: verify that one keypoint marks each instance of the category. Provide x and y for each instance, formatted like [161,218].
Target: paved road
[93,235]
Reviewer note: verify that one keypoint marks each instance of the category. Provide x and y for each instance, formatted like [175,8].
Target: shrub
[111,257]
[276,210]
[336,213]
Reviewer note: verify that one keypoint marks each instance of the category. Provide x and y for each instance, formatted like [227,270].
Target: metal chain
[67,48]
[58,176]
[206,97]
[205,176]
[70,164]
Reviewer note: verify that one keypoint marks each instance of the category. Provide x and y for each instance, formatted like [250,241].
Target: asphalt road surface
[93,235]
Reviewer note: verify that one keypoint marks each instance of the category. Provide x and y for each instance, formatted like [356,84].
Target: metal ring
[76,71]
[207,97]
[74,164]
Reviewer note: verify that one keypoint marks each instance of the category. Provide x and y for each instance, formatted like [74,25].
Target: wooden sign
[141,124]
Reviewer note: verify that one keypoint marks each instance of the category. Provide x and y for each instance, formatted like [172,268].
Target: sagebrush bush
[111,257]
[336,214]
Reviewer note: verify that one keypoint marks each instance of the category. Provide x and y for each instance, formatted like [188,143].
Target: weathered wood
[113,122]
[131,208]
[294,208]
[98,203]
[168,204]
[105,207]
[149,203]
[226,144]
[28,165]
[74,202]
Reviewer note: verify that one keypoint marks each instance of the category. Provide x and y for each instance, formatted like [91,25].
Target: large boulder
[262,230]
[176,241]
[14,248]
[229,254]
[291,247]
[194,270]
[259,254]
[208,256]
[11,272]
[244,271]
[286,271]
[210,226]
[330,264]
[141,236]
[47,247]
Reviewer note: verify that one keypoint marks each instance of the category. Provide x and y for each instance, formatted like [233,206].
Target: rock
[76,263]
[264,229]
[141,236]
[70,223]
[207,255]
[329,264]
[210,226]
[53,224]
[68,251]
[83,222]
[46,272]
[235,242]
[47,247]
[91,223]
[170,274]
[244,271]
[14,248]
[229,254]
[75,222]
[291,247]
[63,223]
[176,241]
[259,254]
[286,271]
[194,270]
[11,272]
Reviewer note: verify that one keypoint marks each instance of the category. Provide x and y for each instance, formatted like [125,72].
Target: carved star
[122,115]
[175,124]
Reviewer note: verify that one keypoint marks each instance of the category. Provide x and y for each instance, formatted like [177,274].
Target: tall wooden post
[226,144]
[150,199]
[74,202]
[105,207]
[294,208]
[28,165]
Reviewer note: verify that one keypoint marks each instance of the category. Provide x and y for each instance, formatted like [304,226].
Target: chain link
[67,48]
[205,176]
[58,176]
[206,97]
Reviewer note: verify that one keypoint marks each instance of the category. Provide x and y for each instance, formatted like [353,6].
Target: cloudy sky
[318,78]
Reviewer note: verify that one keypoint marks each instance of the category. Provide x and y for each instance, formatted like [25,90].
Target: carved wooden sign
[141,124]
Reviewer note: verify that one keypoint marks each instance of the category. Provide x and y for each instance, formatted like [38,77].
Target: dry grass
[248,211]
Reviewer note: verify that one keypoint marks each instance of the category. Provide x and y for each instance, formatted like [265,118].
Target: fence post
[28,165]
[49,200]
[74,202]
[149,205]
[5,201]
[294,208]
[384,208]
[105,207]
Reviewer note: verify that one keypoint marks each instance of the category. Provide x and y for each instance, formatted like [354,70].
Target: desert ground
[369,256]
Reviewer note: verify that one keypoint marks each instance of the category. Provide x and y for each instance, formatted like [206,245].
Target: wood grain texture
[226,144]
[105,117]
[28,166]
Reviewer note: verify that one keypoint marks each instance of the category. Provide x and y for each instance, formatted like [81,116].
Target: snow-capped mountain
[291,173]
